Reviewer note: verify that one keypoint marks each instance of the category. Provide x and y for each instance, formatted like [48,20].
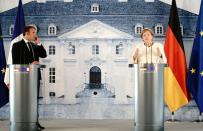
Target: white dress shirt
[26,41]
[145,54]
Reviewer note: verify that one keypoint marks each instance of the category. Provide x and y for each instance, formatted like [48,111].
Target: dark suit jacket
[22,55]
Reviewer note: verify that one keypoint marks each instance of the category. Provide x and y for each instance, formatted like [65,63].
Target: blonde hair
[145,30]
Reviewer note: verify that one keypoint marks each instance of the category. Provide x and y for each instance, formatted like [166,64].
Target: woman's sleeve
[133,57]
[163,56]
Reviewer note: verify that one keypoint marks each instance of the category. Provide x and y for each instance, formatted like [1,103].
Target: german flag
[176,93]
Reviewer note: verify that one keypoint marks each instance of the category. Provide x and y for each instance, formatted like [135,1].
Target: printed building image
[89,43]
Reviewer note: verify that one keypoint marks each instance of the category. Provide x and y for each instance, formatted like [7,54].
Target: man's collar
[26,41]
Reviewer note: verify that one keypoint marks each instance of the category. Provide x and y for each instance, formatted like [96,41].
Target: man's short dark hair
[27,29]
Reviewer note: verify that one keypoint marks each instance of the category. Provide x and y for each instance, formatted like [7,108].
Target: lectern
[23,97]
[149,97]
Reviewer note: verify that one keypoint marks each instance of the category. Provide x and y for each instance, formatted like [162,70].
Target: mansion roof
[67,16]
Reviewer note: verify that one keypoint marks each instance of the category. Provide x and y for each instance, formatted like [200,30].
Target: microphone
[151,54]
[146,53]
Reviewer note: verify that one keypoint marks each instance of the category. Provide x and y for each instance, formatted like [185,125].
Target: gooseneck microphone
[147,53]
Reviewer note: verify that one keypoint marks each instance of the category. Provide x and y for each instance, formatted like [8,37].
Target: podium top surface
[26,65]
[147,64]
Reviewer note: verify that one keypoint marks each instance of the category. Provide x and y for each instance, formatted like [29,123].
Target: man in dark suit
[28,51]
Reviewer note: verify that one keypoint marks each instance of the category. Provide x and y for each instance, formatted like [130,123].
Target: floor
[104,125]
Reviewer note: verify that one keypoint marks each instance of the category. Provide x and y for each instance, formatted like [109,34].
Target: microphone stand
[146,53]
[151,54]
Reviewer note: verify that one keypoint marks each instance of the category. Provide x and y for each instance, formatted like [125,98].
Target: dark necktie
[29,46]
[31,49]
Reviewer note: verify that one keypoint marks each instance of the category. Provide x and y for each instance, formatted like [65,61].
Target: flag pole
[200,117]
[173,118]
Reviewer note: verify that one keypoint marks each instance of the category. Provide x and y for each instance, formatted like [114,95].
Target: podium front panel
[23,97]
[149,97]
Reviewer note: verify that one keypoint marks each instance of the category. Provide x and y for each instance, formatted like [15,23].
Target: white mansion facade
[94,49]
[89,43]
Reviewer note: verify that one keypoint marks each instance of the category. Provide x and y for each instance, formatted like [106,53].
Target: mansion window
[11,30]
[181,28]
[52,75]
[52,94]
[159,29]
[41,1]
[52,50]
[95,49]
[138,29]
[94,7]
[119,49]
[71,49]
[149,0]
[52,29]
[122,0]
[68,0]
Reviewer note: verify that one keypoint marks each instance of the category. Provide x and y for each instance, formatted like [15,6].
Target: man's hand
[37,40]
[35,62]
